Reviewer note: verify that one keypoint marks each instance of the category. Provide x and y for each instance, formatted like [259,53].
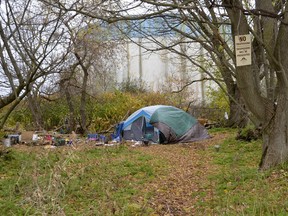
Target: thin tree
[30,49]
[89,73]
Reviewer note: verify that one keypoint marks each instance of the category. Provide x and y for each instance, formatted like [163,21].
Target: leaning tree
[32,49]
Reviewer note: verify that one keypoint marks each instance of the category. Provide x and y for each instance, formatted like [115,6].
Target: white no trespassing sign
[243,50]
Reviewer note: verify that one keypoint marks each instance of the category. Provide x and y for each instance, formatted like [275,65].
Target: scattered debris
[202,121]
[137,143]
[50,146]
[34,138]
[52,139]
[217,148]
[6,142]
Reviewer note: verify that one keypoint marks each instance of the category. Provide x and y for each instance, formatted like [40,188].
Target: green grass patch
[100,181]
[238,188]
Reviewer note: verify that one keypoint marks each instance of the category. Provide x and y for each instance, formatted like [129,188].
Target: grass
[99,181]
[116,181]
[239,188]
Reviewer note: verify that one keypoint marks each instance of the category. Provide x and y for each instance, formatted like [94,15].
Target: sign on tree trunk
[243,50]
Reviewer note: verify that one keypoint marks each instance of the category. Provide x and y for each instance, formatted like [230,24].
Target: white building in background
[160,70]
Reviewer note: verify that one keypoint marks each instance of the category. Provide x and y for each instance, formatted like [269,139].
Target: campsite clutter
[55,139]
[159,124]
[39,138]
[51,139]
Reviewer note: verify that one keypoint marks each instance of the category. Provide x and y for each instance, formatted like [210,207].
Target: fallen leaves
[177,192]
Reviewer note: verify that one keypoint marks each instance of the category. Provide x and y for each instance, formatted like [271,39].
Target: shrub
[103,111]
[111,108]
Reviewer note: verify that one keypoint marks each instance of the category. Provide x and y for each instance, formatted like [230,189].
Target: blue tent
[162,124]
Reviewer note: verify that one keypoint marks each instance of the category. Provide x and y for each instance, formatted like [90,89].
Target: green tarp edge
[178,120]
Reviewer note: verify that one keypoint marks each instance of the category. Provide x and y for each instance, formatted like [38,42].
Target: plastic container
[34,137]
[14,138]
[7,142]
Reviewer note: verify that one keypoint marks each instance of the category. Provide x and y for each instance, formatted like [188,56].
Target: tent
[162,124]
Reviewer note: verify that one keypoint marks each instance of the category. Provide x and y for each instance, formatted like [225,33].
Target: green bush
[218,98]
[111,108]
[248,133]
[103,111]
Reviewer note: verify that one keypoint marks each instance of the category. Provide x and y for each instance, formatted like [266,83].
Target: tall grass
[99,181]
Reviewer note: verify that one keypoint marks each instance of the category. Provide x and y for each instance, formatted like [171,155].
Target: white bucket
[7,142]
[35,137]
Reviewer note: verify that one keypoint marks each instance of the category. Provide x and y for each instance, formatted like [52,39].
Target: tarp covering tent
[163,124]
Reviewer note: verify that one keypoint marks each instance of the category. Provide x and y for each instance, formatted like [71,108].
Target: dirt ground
[177,192]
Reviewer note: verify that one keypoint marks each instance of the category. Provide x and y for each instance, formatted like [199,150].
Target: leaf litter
[185,184]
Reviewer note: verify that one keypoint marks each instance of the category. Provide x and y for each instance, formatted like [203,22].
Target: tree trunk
[36,111]
[83,120]
[238,116]
[83,101]
[275,145]
[72,121]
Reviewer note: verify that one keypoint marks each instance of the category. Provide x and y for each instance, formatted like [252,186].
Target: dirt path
[177,192]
